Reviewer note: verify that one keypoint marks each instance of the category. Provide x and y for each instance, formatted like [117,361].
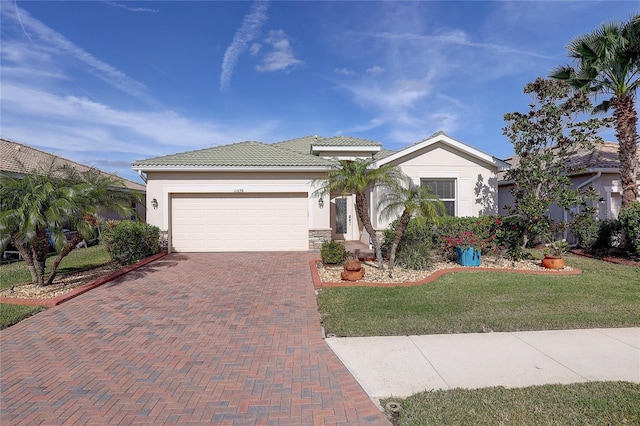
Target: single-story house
[16,159]
[252,196]
[597,168]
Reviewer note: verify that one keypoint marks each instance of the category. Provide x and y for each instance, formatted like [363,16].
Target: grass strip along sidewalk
[604,295]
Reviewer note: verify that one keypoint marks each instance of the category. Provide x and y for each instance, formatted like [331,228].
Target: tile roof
[602,156]
[301,145]
[346,141]
[17,158]
[241,154]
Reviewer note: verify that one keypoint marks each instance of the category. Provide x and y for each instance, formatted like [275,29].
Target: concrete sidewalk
[402,365]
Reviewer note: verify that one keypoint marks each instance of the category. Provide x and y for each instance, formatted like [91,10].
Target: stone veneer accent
[317,237]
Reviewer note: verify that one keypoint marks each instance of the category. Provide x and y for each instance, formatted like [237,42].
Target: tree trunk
[27,256]
[405,217]
[63,253]
[626,122]
[362,208]
[39,251]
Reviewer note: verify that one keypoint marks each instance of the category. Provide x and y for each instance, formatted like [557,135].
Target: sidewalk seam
[549,356]
[429,361]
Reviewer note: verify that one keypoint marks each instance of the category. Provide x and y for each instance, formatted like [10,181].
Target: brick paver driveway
[188,339]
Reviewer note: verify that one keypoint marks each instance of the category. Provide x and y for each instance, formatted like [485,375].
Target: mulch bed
[608,258]
[68,286]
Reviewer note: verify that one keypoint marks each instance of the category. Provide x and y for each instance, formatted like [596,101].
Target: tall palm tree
[359,177]
[608,63]
[35,209]
[414,201]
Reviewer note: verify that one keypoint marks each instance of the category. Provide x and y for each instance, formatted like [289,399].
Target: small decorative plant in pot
[554,254]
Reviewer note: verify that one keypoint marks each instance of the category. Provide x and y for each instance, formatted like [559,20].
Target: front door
[344,221]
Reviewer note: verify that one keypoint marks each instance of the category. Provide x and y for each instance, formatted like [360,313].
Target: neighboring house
[597,168]
[251,196]
[16,159]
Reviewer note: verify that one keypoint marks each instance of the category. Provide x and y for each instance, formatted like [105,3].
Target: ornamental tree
[542,140]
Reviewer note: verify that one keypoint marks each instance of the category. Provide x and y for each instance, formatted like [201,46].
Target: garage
[239,222]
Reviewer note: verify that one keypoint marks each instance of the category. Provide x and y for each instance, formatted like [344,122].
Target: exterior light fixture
[601,200]
[321,203]
[154,203]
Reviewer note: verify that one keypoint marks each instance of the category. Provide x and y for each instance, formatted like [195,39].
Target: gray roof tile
[241,154]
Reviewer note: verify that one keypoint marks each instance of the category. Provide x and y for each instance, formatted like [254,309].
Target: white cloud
[132,9]
[255,49]
[249,30]
[49,43]
[344,71]
[375,70]
[89,120]
[281,55]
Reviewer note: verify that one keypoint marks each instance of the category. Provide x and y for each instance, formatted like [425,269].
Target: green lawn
[13,314]
[604,295]
[594,403]
[17,273]
[78,260]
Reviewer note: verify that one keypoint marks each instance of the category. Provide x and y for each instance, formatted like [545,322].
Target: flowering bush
[465,240]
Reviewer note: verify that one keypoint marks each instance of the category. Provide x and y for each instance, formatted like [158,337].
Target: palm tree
[35,208]
[608,62]
[414,201]
[359,177]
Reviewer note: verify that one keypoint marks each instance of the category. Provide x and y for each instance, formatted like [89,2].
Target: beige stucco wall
[160,185]
[476,182]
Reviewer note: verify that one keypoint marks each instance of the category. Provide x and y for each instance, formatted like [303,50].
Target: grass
[17,273]
[604,295]
[78,260]
[13,314]
[592,403]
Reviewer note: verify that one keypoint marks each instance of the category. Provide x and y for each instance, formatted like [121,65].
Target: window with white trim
[444,189]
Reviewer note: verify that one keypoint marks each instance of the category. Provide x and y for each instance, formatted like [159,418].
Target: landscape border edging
[318,284]
[55,301]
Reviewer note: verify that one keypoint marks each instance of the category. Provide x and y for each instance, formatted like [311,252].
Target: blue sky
[109,82]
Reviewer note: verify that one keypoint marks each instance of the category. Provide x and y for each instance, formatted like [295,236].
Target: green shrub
[416,255]
[586,227]
[629,218]
[609,235]
[128,241]
[510,237]
[333,252]
[415,250]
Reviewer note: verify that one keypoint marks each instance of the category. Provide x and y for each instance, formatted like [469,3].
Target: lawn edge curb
[437,274]
[54,301]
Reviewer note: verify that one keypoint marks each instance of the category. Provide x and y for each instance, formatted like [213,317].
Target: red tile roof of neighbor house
[17,158]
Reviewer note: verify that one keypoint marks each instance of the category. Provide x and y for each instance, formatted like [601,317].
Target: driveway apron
[220,338]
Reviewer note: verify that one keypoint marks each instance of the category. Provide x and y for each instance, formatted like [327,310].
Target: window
[445,189]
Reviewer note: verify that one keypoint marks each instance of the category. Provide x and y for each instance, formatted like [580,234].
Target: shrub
[128,241]
[479,232]
[333,252]
[510,237]
[415,250]
[609,235]
[629,218]
[586,227]
[416,255]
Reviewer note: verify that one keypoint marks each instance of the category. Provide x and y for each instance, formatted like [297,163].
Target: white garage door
[239,222]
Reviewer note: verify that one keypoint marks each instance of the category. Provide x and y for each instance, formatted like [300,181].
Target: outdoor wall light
[154,203]
[321,203]
[601,200]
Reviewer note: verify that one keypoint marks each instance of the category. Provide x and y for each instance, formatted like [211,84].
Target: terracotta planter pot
[551,262]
